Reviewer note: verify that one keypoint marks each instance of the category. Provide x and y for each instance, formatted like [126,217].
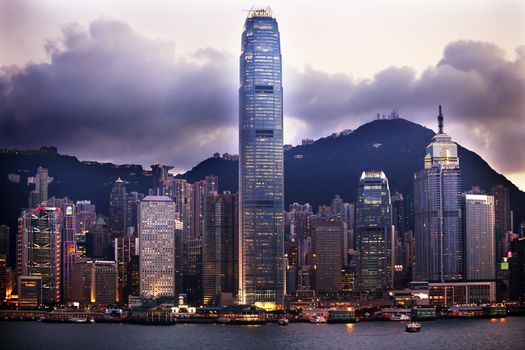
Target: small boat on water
[78,320]
[284,321]
[317,319]
[413,327]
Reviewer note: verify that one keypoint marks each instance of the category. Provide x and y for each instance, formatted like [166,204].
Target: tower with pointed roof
[437,205]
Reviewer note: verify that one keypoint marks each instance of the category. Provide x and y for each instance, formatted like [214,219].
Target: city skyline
[478,81]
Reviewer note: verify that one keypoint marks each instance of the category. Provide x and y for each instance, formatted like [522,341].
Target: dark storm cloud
[483,93]
[109,93]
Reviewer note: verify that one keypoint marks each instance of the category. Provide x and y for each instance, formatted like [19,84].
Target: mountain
[332,165]
[314,173]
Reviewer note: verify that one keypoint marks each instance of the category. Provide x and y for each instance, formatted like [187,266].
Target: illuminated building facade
[100,282]
[479,237]
[125,249]
[69,247]
[261,182]
[41,181]
[437,207]
[39,249]
[157,246]
[374,233]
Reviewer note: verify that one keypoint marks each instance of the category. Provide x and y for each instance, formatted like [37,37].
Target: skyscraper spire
[440,120]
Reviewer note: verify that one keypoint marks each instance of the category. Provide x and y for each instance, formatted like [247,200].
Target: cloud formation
[109,93]
[483,94]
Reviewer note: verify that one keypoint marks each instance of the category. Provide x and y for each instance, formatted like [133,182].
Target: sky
[156,81]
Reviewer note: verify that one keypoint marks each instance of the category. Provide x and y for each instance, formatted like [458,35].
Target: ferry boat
[283,321]
[413,327]
[77,320]
[317,319]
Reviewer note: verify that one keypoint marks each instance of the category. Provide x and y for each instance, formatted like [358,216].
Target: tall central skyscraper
[437,207]
[261,182]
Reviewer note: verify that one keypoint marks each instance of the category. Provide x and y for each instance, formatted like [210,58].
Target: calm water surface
[441,334]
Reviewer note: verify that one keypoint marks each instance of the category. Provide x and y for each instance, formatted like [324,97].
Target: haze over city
[159,84]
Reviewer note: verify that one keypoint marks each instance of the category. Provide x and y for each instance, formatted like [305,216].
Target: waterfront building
[219,248]
[437,205]
[3,278]
[41,181]
[30,292]
[100,282]
[261,165]
[39,245]
[125,249]
[157,246]
[117,209]
[458,293]
[327,255]
[479,237]
[516,261]
[374,234]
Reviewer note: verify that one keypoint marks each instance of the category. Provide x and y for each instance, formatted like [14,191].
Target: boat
[283,321]
[77,320]
[401,317]
[317,319]
[413,327]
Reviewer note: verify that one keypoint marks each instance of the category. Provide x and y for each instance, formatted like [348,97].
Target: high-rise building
[86,218]
[100,282]
[437,207]
[30,292]
[98,242]
[41,181]
[125,249]
[39,249]
[160,179]
[502,223]
[219,248]
[132,208]
[327,255]
[261,181]
[374,233]
[478,237]
[117,209]
[157,246]
[69,247]
[4,242]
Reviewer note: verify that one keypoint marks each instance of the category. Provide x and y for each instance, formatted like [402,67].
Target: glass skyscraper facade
[374,233]
[261,183]
[437,207]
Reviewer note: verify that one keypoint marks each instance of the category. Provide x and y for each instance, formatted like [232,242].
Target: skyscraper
[261,182]
[39,249]
[327,255]
[117,209]
[479,245]
[157,246]
[69,247]
[219,245]
[374,233]
[437,207]
[41,181]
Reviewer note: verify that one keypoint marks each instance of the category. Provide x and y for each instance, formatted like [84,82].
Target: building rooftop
[157,199]
[260,12]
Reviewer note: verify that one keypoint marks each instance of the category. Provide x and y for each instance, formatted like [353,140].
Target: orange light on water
[349,327]
[503,320]
[493,320]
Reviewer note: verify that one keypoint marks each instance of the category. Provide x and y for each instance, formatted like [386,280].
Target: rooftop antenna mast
[440,120]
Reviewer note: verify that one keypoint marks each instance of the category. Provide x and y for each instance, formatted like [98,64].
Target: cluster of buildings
[220,249]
